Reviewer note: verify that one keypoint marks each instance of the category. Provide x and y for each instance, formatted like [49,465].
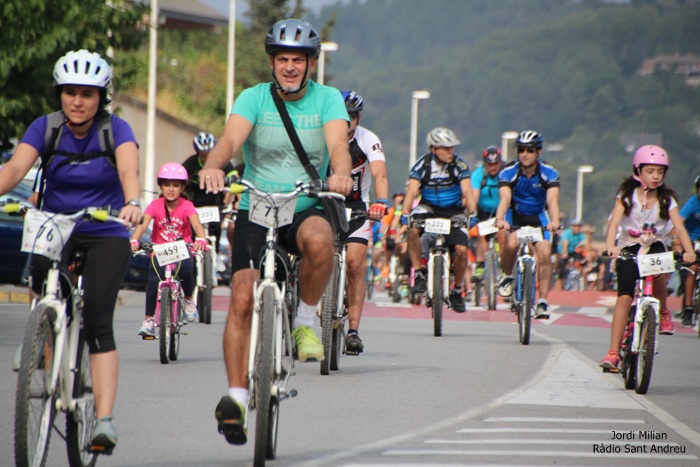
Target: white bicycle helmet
[441,137]
[204,141]
[82,68]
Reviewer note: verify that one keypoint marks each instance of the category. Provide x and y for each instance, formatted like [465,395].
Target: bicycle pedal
[611,370]
[149,338]
[103,450]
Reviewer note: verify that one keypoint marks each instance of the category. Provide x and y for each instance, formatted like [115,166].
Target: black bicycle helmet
[353,101]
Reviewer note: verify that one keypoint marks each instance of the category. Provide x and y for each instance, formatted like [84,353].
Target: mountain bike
[334,306]
[489,286]
[54,371]
[271,354]
[640,340]
[205,265]
[170,302]
[523,295]
[394,278]
[438,280]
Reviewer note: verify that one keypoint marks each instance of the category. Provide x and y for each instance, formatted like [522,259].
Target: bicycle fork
[644,303]
[339,306]
[438,250]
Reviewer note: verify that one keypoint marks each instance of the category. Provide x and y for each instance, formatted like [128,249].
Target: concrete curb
[17,296]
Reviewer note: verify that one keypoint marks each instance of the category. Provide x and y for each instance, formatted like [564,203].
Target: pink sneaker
[666,324]
[611,361]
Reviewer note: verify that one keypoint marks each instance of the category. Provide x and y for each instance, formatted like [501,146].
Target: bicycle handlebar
[317,189]
[102,214]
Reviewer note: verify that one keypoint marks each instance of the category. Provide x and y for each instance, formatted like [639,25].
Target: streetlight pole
[231,60]
[507,142]
[415,97]
[149,169]
[325,47]
[582,169]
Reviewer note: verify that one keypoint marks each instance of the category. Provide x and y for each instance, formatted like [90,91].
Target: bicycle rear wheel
[166,313]
[370,280]
[205,296]
[647,349]
[528,299]
[437,299]
[81,421]
[174,343]
[490,279]
[263,375]
[337,342]
[34,406]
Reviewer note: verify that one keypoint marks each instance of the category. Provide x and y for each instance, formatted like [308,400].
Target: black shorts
[456,236]
[359,230]
[627,272]
[249,239]
[483,215]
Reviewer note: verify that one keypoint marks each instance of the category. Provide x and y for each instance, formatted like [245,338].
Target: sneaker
[505,286]
[353,344]
[190,310]
[478,276]
[457,301]
[687,317]
[419,284]
[308,344]
[104,436]
[541,310]
[231,417]
[666,325]
[611,361]
[148,328]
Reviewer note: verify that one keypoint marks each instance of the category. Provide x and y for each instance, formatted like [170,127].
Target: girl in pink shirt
[174,217]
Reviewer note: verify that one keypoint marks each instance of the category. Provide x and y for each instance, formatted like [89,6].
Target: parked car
[12,260]
[139,266]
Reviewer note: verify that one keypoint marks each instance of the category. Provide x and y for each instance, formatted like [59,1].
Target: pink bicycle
[169,306]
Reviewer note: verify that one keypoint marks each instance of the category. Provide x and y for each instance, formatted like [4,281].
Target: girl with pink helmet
[646,211]
[174,217]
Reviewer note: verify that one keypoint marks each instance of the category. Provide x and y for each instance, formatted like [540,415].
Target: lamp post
[231,60]
[415,97]
[582,169]
[325,47]
[507,143]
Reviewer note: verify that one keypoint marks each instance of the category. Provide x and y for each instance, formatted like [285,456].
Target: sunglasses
[526,149]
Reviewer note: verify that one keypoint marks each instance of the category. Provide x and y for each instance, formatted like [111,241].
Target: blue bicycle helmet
[353,101]
[529,138]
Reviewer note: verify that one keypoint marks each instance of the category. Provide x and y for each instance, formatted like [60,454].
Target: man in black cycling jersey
[442,178]
[203,143]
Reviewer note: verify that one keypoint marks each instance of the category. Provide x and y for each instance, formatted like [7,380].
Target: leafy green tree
[36,33]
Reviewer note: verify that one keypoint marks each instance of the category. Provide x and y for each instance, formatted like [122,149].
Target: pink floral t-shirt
[177,227]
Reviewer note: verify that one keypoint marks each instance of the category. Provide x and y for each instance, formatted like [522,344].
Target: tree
[36,33]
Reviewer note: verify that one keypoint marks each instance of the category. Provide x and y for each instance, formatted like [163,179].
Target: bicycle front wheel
[647,349]
[174,343]
[166,313]
[438,272]
[528,299]
[490,279]
[328,304]
[263,375]
[34,405]
[80,422]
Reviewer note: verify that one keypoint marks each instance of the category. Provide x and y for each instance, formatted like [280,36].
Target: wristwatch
[134,202]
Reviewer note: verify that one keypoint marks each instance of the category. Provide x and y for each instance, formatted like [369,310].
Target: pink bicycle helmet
[173,171]
[649,154]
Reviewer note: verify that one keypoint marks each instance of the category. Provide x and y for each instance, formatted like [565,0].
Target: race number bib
[171,252]
[208,214]
[263,211]
[529,234]
[653,264]
[46,233]
[438,226]
[348,213]
[487,227]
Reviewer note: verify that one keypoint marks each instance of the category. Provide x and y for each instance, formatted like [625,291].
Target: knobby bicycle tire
[208,287]
[263,375]
[35,410]
[526,304]
[328,304]
[370,280]
[174,344]
[80,422]
[647,349]
[628,360]
[166,312]
[337,341]
[438,299]
[490,279]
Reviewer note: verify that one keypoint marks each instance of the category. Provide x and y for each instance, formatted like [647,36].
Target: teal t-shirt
[270,160]
[488,198]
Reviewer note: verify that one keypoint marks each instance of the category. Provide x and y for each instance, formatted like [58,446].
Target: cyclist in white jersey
[367,159]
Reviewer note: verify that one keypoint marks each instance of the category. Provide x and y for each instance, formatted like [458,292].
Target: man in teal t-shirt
[319,116]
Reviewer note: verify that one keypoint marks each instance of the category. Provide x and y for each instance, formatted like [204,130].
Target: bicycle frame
[440,249]
[176,293]
[645,300]
[524,259]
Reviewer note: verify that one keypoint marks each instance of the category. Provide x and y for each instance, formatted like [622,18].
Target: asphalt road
[472,397]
